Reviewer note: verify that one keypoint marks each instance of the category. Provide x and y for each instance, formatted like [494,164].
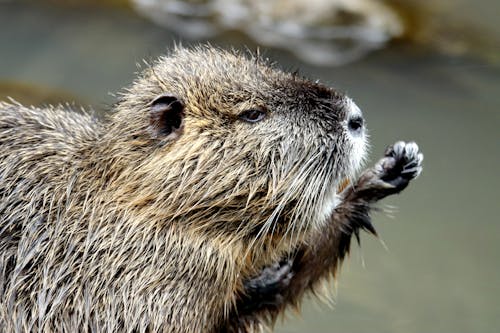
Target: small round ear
[166,115]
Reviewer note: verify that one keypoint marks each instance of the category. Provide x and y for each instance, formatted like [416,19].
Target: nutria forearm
[285,283]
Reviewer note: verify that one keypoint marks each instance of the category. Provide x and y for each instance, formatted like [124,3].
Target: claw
[411,150]
[399,148]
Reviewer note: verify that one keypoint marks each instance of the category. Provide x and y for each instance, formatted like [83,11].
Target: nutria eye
[253,115]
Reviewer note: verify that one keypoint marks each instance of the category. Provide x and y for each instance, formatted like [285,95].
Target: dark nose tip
[355,124]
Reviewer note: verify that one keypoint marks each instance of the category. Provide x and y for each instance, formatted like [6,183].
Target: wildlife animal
[217,192]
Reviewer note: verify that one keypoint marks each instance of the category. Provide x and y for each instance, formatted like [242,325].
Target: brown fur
[110,226]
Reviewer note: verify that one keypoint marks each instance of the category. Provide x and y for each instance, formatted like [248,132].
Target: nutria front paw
[401,163]
[268,287]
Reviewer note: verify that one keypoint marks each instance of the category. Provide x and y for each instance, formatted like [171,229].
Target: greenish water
[441,272]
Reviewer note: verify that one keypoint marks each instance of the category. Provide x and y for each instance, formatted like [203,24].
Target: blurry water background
[436,80]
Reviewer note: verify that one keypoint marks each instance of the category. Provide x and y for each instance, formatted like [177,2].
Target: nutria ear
[166,116]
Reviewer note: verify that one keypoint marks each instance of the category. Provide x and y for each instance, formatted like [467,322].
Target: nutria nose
[355,124]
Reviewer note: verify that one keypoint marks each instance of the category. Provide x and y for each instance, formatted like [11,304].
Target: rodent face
[271,142]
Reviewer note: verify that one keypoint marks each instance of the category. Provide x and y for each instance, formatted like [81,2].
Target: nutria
[211,199]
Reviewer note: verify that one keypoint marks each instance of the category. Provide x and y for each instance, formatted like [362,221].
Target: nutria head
[226,143]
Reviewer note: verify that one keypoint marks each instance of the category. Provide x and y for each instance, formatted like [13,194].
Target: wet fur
[105,227]
[307,267]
